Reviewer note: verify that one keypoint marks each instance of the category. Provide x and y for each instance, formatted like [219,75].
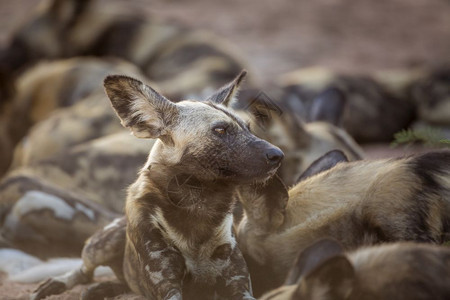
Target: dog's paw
[47,288]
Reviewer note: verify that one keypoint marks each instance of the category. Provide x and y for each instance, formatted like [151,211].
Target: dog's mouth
[266,176]
[272,172]
[259,177]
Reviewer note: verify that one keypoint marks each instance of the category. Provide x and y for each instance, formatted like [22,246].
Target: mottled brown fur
[179,237]
[51,85]
[357,203]
[375,109]
[56,85]
[275,120]
[431,94]
[38,216]
[90,118]
[87,172]
[390,271]
[193,60]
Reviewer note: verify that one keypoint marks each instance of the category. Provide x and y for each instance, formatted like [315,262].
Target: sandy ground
[20,291]
[280,36]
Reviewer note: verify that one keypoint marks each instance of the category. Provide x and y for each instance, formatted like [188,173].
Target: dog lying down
[389,271]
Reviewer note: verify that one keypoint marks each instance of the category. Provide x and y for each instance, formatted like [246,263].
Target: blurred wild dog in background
[53,85]
[373,112]
[56,165]
[431,95]
[72,194]
[178,58]
[379,104]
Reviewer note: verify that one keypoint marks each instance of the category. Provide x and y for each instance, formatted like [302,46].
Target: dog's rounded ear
[329,106]
[311,257]
[226,93]
[333,279]
[323,163]
[140,108]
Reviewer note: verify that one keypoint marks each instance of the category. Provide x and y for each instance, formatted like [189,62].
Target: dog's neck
[188,205]
[185,190]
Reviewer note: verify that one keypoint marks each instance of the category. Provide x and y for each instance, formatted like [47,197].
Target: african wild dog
[278,122]
[431,94]
[46,220]
[357,203]
[59,84]
[178,58]
[52,85]
[90,118]
[72,194]
[377,106]
[390,271]
[179,238]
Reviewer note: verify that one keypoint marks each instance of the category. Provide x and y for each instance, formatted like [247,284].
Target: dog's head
[201,138]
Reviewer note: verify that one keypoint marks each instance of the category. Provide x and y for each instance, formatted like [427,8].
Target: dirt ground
[280,36]
[20,291]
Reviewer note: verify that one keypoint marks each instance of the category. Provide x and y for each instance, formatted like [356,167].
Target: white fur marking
[155,277]
[113,224]
[225,230]
[234,278]
[14,261]
[175,297]
[36,200]
[22,267]
[247,295]
[155,254]
[88,212]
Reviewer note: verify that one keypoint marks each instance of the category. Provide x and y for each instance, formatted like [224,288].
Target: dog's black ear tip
[241,75]
[110,79]
[338,154]
[117,79]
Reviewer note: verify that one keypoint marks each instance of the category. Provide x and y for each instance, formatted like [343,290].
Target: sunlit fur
[390,271]
[357,203]
[61,84]
[159,256]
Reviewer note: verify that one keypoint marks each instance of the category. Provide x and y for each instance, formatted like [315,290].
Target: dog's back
[406,198]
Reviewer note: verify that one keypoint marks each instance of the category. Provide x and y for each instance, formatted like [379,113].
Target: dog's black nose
[274,156]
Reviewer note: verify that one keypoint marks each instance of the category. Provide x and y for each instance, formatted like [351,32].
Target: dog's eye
[220,130]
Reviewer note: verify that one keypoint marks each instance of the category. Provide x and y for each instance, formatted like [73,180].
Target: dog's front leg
[155,268]
[235,283]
